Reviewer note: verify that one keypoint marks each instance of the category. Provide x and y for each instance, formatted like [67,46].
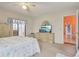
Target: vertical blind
[18,26]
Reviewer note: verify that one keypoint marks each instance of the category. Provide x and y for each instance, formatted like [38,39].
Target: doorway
[70,29]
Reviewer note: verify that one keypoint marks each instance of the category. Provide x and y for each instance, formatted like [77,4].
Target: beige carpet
[50,50]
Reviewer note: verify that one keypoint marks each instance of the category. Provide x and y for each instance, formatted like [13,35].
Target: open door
[70,29]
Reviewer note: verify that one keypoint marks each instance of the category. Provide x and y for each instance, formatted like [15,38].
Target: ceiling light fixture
[24,7]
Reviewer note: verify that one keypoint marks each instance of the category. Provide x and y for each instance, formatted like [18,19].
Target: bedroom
[42,23]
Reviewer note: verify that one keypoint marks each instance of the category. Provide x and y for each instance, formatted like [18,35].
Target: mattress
[18,46]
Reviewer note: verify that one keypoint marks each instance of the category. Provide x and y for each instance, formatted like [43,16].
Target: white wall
[4,14]
[77,27]
[33,25]
[57,23]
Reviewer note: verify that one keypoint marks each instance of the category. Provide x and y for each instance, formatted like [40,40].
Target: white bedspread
[18,46]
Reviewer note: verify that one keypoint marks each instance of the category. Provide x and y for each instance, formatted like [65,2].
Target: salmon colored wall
[72,21]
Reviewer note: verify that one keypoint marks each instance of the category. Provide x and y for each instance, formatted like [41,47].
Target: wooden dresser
[4,30]
[48,37]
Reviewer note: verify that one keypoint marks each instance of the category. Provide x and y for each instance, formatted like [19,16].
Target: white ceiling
[41,7]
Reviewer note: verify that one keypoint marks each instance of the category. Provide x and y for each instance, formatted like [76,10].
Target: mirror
[46,27]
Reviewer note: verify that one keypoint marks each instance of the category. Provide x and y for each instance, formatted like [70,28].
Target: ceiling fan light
[24,7]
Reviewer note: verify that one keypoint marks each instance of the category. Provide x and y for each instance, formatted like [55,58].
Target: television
[46,28]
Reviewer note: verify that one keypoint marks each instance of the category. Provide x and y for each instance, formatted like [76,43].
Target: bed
[18,46]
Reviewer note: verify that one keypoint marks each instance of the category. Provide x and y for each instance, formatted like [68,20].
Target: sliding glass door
[21,28]
[15,27]
[18,28]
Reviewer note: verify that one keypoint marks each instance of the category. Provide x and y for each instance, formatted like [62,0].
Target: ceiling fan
[28,6]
